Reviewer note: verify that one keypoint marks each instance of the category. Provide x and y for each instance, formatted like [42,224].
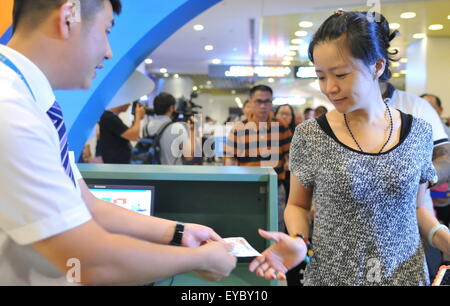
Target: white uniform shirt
[37,198]
[420,108]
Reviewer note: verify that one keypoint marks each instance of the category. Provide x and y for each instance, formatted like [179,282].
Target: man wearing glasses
[260,140]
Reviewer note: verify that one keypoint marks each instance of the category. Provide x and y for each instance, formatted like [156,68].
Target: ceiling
[228,28]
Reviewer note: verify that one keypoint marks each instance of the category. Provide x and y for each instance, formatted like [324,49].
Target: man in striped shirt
[260,141]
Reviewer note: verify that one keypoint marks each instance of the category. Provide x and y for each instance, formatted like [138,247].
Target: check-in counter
[234,201]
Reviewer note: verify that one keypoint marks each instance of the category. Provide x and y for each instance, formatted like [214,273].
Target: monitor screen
[136,198]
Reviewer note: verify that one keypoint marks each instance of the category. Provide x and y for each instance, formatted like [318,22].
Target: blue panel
[139,30]
[6,37]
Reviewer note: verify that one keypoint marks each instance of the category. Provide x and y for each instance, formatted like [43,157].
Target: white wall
[180,87]
[438,70]
[416,77]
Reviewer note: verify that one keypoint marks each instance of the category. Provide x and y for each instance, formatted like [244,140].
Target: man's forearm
[118,220]
[441,162]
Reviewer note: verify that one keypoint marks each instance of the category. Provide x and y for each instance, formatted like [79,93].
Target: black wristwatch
[178,234]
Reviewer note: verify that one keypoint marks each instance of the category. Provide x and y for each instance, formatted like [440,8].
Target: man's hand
[218,261]
[196,235]
[286,253]
[140,111]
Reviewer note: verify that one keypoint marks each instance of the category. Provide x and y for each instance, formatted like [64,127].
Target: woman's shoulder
[420,124]
[306,127]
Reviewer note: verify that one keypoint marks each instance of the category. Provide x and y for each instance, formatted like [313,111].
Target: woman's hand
[286,253]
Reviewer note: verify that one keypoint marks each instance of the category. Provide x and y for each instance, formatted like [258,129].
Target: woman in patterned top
[365,164]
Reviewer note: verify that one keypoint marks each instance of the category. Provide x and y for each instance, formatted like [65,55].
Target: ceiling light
[395,64]
[176,76]
[291,53]
[403,60]
[148,61]
[208,83]
[209,47]
[285,63]
[435,27]
[271,80]
[293,48]
[166,75]
[199,27]
[301,33]
[296,41]
[408,15]
[216,61]
[419,35]
[396,75]
[239,102]
[288,58]
[394,26]
[163,70]
[305,24]
[448,17]
[195,88]
[402,71]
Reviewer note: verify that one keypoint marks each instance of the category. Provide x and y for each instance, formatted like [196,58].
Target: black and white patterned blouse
[365,225]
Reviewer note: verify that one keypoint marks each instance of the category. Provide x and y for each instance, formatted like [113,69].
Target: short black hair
[438,101]
[320,110]
[368,39]
[308,109]
[260,88]
[163,102]
[34,11]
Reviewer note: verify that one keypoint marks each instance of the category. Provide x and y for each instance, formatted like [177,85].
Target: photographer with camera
[175,139]
[115,136]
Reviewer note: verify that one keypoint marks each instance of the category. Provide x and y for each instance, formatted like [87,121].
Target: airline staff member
[46,222]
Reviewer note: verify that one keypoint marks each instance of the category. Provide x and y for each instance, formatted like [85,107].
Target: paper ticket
[241,247]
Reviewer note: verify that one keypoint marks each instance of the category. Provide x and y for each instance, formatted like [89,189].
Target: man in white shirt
[49,221]
[176,140]
[418,107]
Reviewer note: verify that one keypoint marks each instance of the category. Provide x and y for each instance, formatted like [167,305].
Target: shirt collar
[37,80]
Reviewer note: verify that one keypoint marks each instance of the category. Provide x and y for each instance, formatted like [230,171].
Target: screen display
[135,198]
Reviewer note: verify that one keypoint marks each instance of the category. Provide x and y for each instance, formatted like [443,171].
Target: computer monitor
[135,198]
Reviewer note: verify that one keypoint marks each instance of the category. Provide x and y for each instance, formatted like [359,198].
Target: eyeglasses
[268,101]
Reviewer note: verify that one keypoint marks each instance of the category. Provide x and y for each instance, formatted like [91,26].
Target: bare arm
[296,214]
[287,252]
[133,133]
[427,221]
[441,162]
[118,220]
[108,259]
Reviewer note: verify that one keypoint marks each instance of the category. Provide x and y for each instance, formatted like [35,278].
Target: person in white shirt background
[46,218]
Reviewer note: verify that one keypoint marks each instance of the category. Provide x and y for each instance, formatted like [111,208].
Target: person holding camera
[176,142]
[115,136]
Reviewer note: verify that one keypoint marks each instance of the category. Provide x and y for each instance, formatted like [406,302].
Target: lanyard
[7,62]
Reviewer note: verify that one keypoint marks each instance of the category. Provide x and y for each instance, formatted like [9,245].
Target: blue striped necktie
[56,115]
